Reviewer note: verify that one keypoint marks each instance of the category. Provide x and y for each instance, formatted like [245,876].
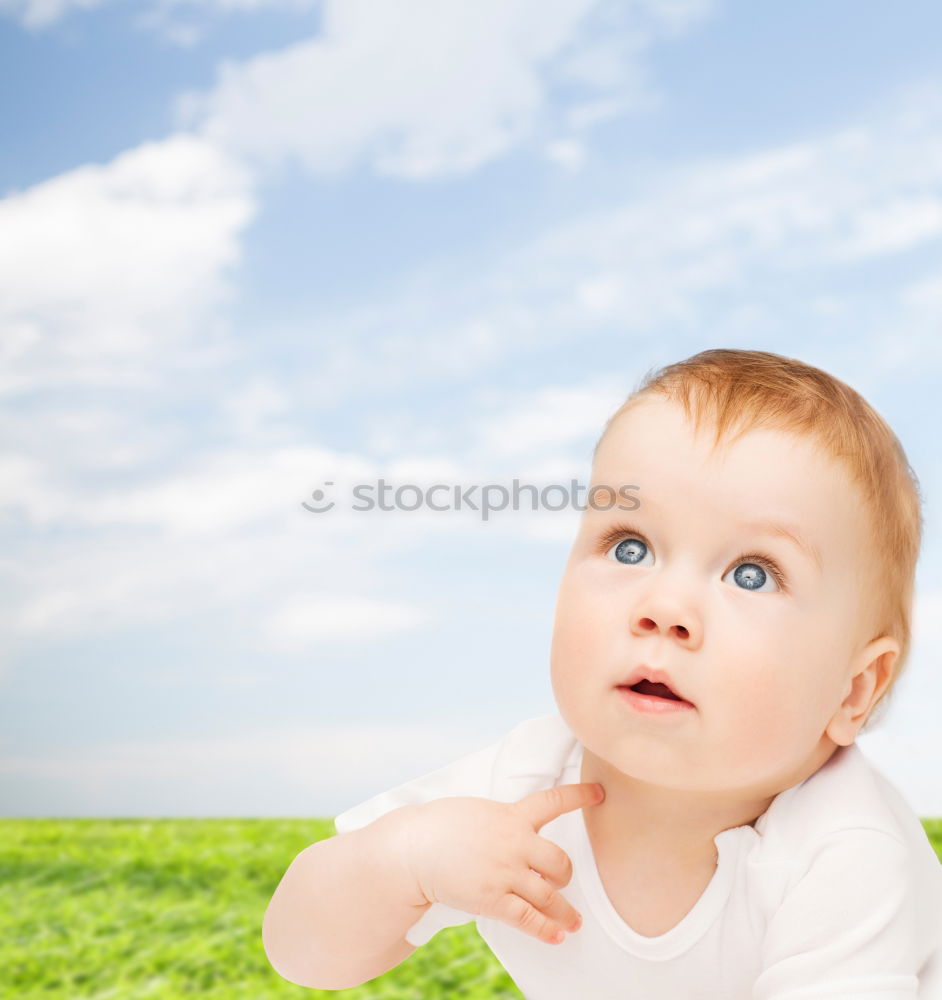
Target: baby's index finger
[548,803]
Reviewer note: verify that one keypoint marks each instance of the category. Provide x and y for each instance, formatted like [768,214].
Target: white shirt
[835,892]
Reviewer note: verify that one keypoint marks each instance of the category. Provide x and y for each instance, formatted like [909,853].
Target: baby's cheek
[759,720]
[582,623]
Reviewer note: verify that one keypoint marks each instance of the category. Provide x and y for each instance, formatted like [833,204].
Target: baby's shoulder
[532,756]
[846,799]
[529,757]
[843,849]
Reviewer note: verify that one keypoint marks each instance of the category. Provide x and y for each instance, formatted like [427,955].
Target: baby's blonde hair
[735,391]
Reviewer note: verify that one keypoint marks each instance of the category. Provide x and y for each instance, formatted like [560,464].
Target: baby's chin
[637,758]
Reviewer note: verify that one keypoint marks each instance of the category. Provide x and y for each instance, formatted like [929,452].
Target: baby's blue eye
[751,576]
[631,551]
[748,574]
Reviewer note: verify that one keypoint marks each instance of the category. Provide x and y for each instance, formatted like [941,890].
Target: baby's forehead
[652,430]
[756,476]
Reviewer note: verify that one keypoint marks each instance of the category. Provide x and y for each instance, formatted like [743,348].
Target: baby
[696,821]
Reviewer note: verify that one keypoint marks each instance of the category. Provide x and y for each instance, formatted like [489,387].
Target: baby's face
[688,587]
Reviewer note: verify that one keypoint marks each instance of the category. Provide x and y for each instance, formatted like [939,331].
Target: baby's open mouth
[655,690]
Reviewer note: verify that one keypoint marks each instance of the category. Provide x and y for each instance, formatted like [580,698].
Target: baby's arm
[856,924]
[341,911]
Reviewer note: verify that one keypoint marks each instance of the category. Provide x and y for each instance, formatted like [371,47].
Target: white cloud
[39,14]
[892,226]
[316,770]
[600,292]
[221,493]
[108,267]
[188,531]
[154,545]
[255,412]
[925,293]
[305,621]
[25,490]
[549,419]
[389,84]
[911,336]
[100,582]
[42,13]
[721,247]
[187,22]
[238,5]
[99,585]
[223,531]
[567,153]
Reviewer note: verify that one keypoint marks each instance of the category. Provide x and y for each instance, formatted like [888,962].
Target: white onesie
[835,892]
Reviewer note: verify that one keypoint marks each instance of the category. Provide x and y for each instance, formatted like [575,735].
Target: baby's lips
[657,676]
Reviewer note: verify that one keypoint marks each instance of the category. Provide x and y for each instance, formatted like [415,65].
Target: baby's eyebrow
[766,526]
[791,534]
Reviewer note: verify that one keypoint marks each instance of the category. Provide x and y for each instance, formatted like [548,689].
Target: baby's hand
[485,857]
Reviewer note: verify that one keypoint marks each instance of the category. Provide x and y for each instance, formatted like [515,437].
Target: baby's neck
[655,822]
[652,821]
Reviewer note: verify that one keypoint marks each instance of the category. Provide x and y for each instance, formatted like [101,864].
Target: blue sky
[248,247]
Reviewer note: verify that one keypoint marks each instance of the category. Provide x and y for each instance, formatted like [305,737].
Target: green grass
[137,909]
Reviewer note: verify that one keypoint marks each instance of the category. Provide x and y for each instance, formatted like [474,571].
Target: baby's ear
[870,675]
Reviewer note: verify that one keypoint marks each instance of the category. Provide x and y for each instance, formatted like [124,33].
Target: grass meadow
[138,909]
